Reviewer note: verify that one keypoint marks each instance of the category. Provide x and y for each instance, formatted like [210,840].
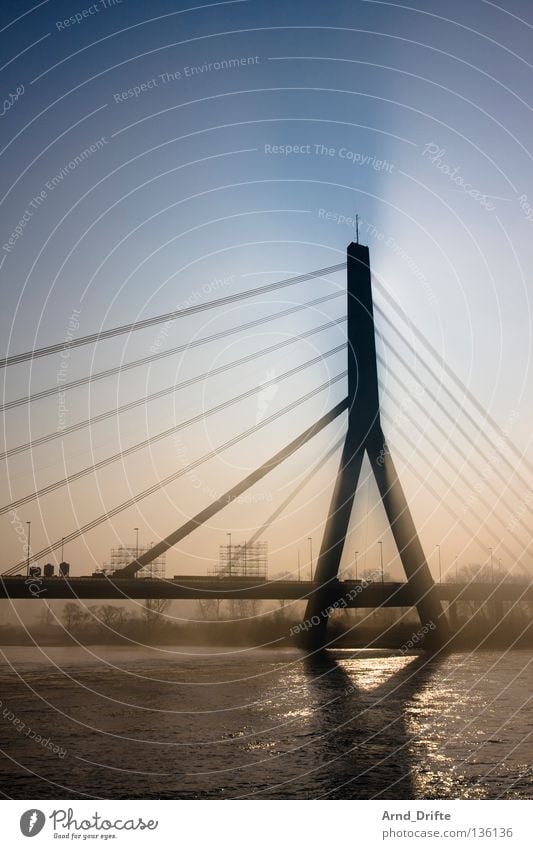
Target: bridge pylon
[365,434]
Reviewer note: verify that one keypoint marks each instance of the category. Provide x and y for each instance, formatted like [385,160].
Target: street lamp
[456,572]
[28,540]
[299,577]
[229,553]
[380,543]
[440,564]
[356,553]
[310,540]
[136,543]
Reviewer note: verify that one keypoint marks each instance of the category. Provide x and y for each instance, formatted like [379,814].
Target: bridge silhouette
[364,435]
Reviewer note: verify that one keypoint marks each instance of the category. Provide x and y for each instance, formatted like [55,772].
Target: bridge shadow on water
[367,749]
[340,724]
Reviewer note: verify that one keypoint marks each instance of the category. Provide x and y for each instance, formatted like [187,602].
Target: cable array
[493,437]
[112,332]
[160,484]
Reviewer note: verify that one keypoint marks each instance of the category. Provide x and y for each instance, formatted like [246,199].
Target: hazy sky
[203,177]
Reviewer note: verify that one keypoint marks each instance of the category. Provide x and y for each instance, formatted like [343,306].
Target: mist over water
[248,723]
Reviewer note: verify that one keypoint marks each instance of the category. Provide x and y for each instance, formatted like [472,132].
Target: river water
[246,723]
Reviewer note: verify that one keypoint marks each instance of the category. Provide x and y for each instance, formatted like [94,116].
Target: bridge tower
[365,433]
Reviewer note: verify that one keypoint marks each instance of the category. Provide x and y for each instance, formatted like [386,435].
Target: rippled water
[167,723]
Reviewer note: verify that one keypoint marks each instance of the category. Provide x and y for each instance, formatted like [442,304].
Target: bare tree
[209,609]
[46,617]
[109,615]
[243,608]
[154,608]
[74,615]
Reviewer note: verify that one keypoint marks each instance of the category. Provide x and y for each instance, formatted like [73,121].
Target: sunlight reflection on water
[347,724]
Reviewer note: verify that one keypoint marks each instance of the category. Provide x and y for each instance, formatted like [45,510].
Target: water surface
[246,723]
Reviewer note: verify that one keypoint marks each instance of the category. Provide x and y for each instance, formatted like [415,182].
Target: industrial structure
[246,560]
[124,554]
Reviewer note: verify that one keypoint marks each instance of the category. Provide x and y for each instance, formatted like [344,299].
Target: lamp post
[355,559]
[440,564]
[380,543]
[299,575]
[310,540]
[456,572]
[136,543]
[28,540]
[229,553]
[62,548]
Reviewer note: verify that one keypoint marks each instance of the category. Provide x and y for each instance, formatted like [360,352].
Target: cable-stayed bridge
[364,435]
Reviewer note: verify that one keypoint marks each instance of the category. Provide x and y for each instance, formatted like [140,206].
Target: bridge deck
[351,593]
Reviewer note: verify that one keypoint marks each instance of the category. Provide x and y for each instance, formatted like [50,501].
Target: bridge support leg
[327,567]
[365,433]
[405,536]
